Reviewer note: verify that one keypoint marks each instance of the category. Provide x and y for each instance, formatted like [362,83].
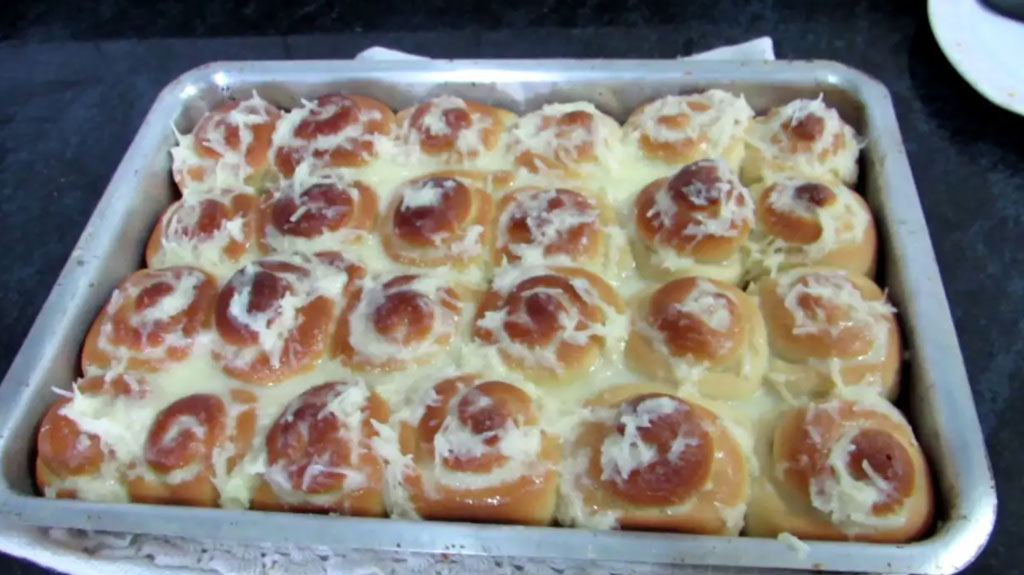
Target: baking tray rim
[949,550]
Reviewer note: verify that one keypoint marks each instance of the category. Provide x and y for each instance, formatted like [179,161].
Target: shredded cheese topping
[575,329]
[277,325]
[715,117]
[615,175]
[539,133]
[622,454]
[520,444]
[848,501]
[843,223]
[832,153]
[231,169]
[469,141]
[375,347]
[350,136]
[184,286]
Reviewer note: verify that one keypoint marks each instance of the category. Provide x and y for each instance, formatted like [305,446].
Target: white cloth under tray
[94,553]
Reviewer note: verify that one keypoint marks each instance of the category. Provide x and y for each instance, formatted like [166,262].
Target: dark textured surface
[697,19]
[75,90]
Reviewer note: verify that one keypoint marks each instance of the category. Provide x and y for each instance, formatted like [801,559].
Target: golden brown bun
[251,309]
[565,140]
[196,229]
[151,320]
[683,129]
[64,450]
[526,318]
[802,221]
[700,331]
[866,444]
[314,465]
[405,321]
[454,129]
[696,480]
[219,137]
[829,327]
[491,412]
[558,225]
[184,438]
[693,223]
[440,219]
[311,132]
[802,137]
[339,210]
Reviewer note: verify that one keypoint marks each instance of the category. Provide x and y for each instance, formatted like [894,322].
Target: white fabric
[95,553]
[757,49]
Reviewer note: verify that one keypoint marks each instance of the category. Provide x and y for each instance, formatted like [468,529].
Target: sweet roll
[73,460]
[335,130]
[186,443]
[439,219]
[479,454]
[843,468]
[683,129]
[212,230]
[399,322]
[643,458]
[829,328]
[700,332]
[319,454]
[316,210]
[551,324]
[536,225]
[693,223]
[453,130]
[229,147]
[565,140]
[150,321]
[811,222]
[274,316]
[805,137]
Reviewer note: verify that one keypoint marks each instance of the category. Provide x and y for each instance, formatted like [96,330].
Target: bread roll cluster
[456,312]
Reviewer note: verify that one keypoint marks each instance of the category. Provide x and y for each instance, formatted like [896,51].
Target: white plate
[985,47]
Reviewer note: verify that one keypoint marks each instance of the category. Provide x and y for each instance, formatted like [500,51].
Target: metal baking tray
[936,396]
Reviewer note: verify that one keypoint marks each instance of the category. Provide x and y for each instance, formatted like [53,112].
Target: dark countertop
[76,88]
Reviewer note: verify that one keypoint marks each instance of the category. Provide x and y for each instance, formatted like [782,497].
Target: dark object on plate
[1011,8]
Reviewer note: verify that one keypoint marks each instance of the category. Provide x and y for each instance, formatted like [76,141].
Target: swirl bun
[229,145]
[559,226]
[273,317]
[316,211]
[184,444]
[454,130]
[151,320]
[828,327]
[69,457]
[567,140]
[808,222]
[337,130]
[319,456]
[844,469]
[213,231]
[405,321]
[693,223]
[683,129]
[700,331]
[479,455]
[646,459]
[439,219]
[550,324]
[803,137]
